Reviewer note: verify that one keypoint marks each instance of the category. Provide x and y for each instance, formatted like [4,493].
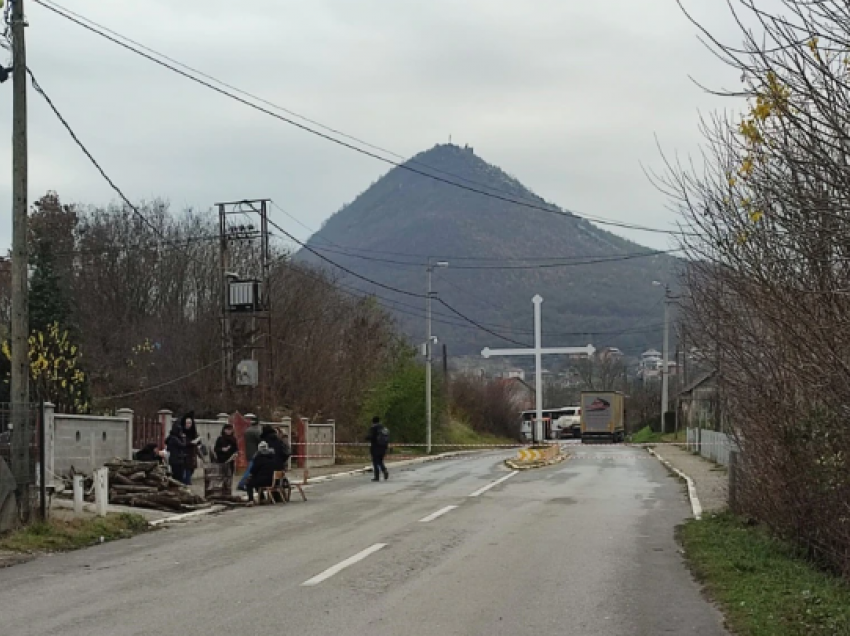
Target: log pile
[148,485]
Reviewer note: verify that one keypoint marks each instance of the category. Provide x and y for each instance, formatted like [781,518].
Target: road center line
[339,567]
[481,491]
[437,514]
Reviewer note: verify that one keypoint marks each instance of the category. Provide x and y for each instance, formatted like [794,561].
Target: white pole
[428,364]
[538,373]
[78,495]
[101,490]
[665,368]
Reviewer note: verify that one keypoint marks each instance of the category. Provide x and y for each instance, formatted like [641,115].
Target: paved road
[581,548]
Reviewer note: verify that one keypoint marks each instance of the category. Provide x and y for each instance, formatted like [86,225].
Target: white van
[568,424]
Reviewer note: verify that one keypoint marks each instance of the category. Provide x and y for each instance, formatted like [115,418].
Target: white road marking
[339,567]
[437,514]
[481,491]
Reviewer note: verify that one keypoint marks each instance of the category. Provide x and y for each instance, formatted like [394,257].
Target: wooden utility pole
[20,310]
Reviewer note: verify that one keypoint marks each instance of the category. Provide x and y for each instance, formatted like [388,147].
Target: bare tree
[601,373]
[767,230]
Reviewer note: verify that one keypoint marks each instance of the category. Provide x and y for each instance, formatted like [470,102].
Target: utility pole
[429,353]
[20,260]
[665,368]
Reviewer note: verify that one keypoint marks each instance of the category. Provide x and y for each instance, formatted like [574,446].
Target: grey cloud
[566,96]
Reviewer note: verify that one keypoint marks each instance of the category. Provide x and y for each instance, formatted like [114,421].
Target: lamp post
[429,348]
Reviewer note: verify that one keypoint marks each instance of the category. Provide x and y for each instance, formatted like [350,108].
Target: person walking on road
[251,439]
[379,442]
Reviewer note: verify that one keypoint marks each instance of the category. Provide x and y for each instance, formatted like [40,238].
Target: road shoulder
[710,480]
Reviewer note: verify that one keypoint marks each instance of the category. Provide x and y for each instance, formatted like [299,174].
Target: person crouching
[262,470]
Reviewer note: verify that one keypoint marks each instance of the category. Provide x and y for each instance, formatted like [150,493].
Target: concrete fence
[712,445]
[87,442]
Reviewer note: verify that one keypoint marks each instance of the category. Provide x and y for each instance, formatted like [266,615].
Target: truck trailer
[602,417]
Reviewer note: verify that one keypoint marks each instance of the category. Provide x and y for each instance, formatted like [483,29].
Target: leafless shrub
[488,405]
[767,229]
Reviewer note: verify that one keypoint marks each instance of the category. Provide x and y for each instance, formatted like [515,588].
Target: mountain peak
[463,212]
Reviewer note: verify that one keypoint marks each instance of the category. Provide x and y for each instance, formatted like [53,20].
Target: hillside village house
[698,406]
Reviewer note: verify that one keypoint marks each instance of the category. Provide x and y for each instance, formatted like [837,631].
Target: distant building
[519,374]
[609,353]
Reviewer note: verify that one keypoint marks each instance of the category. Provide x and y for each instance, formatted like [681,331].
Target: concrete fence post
[127,416]
[101,490]
[49,442]
[78,495]
[332,424]
[224,418]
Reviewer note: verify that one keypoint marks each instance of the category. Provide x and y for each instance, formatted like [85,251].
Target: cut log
[134,488]
[139,476]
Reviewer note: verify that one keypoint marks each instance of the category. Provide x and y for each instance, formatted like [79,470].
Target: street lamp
[429,349]
[665,368]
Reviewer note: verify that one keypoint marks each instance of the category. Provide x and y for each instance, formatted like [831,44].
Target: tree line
[126,311]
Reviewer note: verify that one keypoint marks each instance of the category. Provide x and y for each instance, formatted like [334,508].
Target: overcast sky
[567,96]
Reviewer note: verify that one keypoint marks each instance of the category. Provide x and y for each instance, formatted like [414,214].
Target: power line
[403,292]
[126,200]
[38,89]
[350,146]
[579,260]
[185,376]
[576,263]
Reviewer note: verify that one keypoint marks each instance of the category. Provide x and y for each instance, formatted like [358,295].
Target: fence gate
[19,452]
[148,430]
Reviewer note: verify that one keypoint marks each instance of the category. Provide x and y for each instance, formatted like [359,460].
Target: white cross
[538,352]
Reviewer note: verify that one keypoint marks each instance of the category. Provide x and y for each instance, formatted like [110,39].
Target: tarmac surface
[461,546]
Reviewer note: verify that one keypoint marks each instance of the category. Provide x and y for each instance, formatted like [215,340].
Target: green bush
[399,400]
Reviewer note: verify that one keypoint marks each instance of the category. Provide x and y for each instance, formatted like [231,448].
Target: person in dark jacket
[281,454]
[225,451]
[251,441]
[148,454]
[262,470]
[193,441]
[379,441]
[176,447]
[226,446]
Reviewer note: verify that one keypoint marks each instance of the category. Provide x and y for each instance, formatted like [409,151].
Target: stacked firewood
[148,485]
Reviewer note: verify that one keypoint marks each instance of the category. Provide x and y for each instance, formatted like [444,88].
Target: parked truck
[602,417]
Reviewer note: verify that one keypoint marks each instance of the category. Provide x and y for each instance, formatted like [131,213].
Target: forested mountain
[597,286]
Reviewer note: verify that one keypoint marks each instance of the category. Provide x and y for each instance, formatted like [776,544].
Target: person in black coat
[226,446]
[281,449]
[262,470]
[379,441]
[224,452]
[193,441]
[176,447]
[148,454]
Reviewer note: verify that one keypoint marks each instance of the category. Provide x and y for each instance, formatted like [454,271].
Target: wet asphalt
[584,547]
